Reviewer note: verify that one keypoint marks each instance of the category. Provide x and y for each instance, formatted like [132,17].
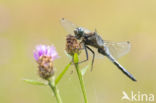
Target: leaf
[83,71]
[76,59]
[62,73]
[34,82]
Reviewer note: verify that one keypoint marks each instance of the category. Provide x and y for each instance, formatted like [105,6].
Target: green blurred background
[27,23]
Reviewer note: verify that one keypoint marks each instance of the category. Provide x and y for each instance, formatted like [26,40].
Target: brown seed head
[72,45]
[45,67]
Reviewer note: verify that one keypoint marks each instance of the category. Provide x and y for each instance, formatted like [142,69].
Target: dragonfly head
[79,32]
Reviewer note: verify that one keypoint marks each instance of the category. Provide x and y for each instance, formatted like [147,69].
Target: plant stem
[62,73]
[81,82]
[55,91]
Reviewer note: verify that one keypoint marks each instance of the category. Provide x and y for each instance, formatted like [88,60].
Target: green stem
[62,73]
[81,82]
[55,91]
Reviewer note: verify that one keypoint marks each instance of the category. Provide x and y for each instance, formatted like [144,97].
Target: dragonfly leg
[86,51]
[93,56]
[85,48]
[86,55]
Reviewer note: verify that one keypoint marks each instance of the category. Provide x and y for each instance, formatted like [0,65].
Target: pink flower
[44,55]
[45,50]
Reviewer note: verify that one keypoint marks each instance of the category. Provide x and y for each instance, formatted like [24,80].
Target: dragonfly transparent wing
[69,26]
[118,49]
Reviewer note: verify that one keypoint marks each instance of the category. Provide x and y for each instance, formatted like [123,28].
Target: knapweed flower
[72,45]
[44,56]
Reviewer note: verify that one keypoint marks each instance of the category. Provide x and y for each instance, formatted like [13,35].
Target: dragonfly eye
[78,32]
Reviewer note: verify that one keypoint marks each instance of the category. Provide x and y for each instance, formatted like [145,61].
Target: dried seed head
[72,45]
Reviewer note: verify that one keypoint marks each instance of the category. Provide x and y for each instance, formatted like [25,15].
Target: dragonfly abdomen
[106,53]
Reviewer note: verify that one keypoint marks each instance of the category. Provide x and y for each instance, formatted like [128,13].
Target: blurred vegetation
[27,23]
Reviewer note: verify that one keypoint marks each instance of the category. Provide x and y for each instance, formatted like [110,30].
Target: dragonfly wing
[118,49]
[69,26]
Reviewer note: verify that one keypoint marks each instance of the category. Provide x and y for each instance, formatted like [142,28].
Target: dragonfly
[112,50]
